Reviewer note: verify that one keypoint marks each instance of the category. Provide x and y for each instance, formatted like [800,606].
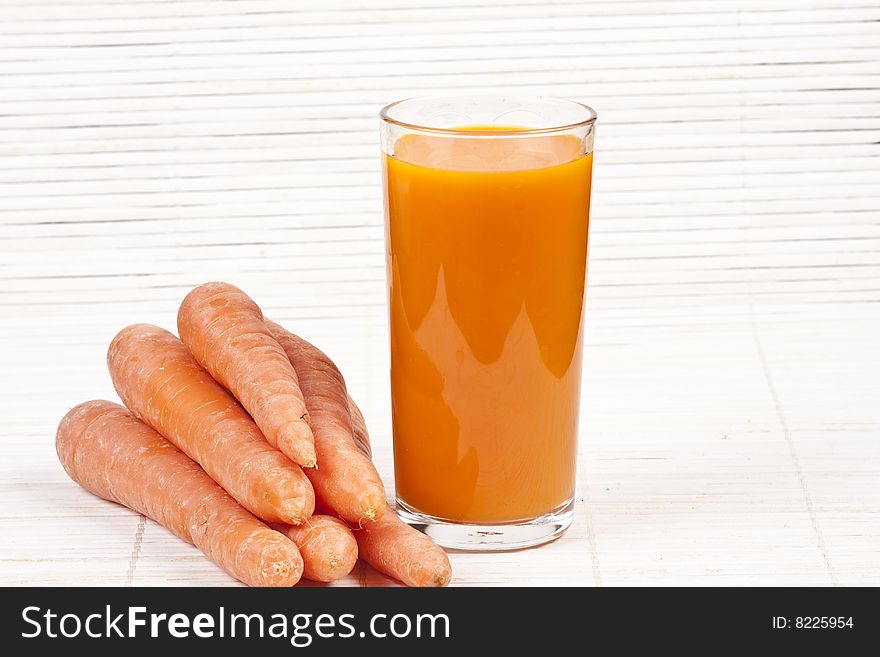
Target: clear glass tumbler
[487,205]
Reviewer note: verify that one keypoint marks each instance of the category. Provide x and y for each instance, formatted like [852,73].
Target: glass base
[492,536]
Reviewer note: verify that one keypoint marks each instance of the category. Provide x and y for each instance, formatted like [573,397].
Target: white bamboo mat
[731,416]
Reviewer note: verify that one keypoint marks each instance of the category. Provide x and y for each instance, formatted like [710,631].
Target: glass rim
[591,116]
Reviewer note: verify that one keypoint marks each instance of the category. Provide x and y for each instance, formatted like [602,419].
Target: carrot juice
[486,235]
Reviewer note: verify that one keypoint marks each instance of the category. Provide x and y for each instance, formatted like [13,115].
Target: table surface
[730,417]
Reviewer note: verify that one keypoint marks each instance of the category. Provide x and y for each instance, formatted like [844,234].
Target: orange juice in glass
[487,205]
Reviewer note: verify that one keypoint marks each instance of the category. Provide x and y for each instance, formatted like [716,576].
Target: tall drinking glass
[487,206]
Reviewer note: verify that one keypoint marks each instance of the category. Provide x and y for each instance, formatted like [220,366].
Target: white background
[730,421]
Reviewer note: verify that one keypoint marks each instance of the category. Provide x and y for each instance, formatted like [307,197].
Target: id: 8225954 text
[813,622]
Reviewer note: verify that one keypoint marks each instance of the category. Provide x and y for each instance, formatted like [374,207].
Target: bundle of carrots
[233,437]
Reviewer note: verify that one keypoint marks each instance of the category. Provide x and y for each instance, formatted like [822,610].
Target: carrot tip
[292,513]
[297,449]
[441,578]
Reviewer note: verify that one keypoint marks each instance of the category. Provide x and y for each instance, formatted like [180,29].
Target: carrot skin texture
[224,329]
[395,549]
[328,547]
[115,456]
[359,429]
[162,384]
[345,480]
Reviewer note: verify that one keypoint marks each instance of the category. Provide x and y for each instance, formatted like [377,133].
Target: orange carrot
[117,457]
[161,383]
[345,481]
[394,548]
[359,429]
[389,544]
[224,330]
[327,545]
